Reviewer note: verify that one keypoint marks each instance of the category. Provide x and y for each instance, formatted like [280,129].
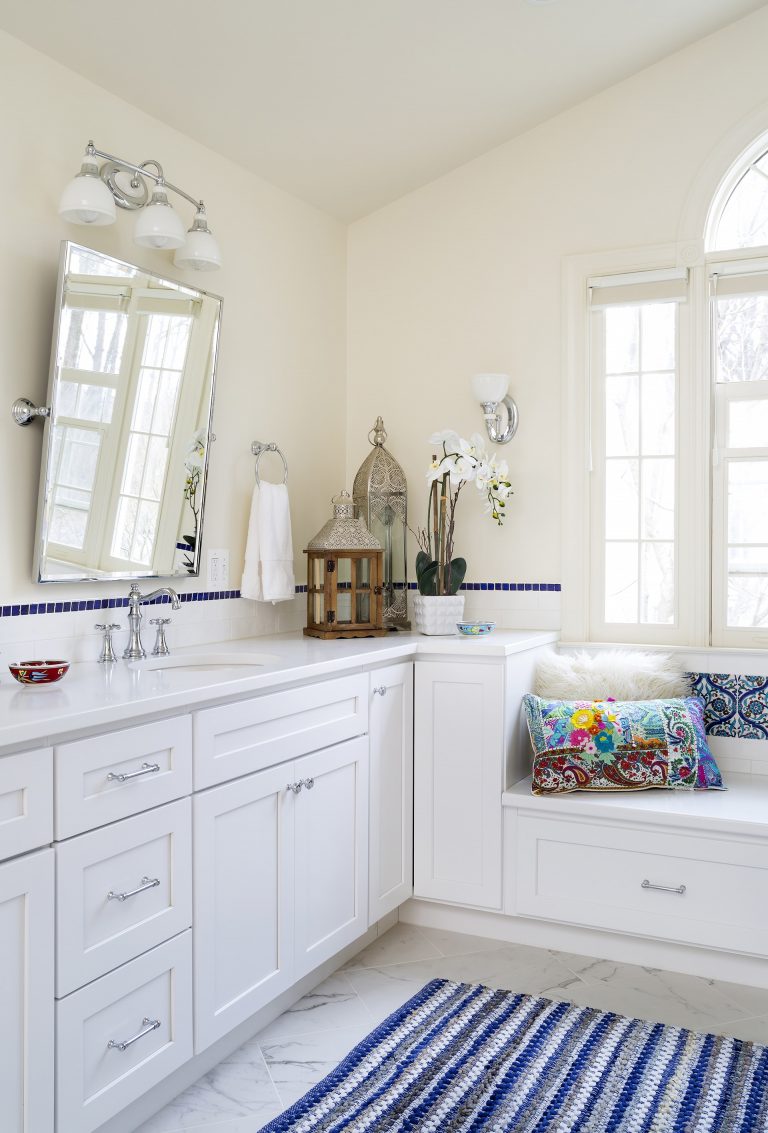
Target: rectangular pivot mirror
[126,448]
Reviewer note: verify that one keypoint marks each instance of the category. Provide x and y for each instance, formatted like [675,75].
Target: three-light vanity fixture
[91,197]
[491,391]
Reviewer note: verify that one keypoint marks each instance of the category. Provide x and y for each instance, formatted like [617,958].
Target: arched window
[668,439]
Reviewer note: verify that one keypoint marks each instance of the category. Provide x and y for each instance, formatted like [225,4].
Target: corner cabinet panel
[26,993]
[243,855]
[331,858]
[391,772]
[458,781]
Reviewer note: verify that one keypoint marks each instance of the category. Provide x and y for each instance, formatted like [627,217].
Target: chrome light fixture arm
[117,165]
[497,434]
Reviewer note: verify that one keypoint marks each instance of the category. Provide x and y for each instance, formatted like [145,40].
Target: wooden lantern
[344,578]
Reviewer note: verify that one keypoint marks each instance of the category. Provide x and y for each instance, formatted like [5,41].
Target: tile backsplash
[735,705]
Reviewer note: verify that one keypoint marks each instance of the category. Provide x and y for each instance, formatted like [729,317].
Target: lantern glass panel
[318,612]
[363,574]
[318,569]
[344,607]
[363,608]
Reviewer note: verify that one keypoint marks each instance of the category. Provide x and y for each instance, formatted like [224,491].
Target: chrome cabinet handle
[146,883]
[295,787]
[308,783]
[680,889]
[123,777]
[381,690]
[148,1025]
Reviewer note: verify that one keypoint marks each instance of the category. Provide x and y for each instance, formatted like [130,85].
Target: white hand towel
[251,585]
[276,544]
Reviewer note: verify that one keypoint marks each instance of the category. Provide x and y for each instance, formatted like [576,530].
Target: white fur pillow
[617,673]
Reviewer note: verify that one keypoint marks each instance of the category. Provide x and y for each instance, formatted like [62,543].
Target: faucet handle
[107,651]
[161,645]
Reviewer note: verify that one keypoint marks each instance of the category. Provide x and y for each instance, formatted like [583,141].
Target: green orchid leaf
[422,562]
[427,580]
[455,572]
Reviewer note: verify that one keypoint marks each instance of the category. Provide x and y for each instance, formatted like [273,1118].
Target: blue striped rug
[461,1057]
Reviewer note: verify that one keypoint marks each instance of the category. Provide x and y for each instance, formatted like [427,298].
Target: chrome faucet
[134,650]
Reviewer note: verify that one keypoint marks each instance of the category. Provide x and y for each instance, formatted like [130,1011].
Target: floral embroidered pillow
[605,745]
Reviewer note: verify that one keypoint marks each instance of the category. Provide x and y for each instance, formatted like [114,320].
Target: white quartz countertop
[92,695]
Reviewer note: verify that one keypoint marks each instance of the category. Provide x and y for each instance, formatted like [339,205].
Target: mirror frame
[45,464]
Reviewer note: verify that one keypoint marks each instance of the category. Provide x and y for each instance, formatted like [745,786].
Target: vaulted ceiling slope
[349,104]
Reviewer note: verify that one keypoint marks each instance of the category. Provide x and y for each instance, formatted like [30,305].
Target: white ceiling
[351,103]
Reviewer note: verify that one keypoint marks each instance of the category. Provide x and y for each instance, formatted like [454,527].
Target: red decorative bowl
[38,672]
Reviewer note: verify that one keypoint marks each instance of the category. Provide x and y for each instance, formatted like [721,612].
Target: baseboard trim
[648,952]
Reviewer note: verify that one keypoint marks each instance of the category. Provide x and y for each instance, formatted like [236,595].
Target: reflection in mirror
[126,447]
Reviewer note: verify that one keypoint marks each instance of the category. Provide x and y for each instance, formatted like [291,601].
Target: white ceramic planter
[437,615]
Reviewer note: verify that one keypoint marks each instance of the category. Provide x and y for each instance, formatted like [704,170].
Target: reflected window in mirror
[126,454]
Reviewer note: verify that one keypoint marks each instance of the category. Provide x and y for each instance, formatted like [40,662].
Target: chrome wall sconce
[90,198]
[491,391]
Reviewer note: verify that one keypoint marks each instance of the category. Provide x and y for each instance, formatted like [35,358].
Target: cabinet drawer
[104,778]
[120,891]
[26,801]
[675,886]
[250,735]
[95,1079]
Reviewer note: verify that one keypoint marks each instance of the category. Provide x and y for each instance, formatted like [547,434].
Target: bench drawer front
[120,891]
[95,1080]
[108,777]
[247,736]
[702,890]
[26,801]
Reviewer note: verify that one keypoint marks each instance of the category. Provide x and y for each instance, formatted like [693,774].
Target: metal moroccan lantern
[380,495]
[344,577]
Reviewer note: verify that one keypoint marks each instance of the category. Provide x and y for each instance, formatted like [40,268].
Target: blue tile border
[735,705]
[24,609]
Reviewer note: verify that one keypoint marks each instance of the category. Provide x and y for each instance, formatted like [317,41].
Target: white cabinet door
[331,852]
[458,782]
[243,854]
[26,994]
[391,807]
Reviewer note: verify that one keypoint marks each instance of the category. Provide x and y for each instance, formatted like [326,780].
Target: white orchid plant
[463,462]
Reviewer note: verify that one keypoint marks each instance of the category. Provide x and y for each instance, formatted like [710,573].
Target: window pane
[621,582]
[748,587]
[658,402]
[658,327]
[92,340]
[742,339]
[166,341]
[124,525]
[748,425]
[68,526]
[79,457]
[154,473]
[744,221]
[622,498]
[144,537]
[144,407]
[658,499]
[657,584]
[747,496]
[134,464]
[622,419]
[165,406]
[622,339]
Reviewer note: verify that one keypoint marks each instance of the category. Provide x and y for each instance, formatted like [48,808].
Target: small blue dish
[475,629]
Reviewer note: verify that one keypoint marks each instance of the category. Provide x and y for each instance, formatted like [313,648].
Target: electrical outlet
[218,569]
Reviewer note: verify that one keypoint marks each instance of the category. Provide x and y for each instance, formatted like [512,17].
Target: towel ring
[259,447]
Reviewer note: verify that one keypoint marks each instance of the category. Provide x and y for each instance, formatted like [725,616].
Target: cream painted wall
[465,274]
[282,365]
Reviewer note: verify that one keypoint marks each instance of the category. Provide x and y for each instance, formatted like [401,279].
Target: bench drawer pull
[148,1025]
[679,889]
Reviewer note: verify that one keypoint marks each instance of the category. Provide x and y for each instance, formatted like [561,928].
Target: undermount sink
[204,662]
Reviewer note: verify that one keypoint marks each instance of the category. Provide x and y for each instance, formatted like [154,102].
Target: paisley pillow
[605,745]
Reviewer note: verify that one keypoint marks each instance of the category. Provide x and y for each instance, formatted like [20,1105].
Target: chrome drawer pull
[664,888]
[381,690]
[308,783]
[148,1025]
[146,769]
[146,883]
[295,787]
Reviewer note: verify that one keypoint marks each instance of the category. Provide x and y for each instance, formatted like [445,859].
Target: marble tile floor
[282,1062]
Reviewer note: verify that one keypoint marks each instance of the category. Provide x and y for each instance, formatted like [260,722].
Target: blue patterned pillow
[608,745]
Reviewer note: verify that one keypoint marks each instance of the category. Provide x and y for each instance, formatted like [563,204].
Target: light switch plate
[218,569]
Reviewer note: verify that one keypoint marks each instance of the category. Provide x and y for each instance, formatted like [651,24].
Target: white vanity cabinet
[391,792]
[280,880]
[26,993]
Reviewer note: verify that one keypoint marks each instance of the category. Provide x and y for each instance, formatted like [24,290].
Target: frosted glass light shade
[158,225]
[200,250]
[87,200]
[490,387]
